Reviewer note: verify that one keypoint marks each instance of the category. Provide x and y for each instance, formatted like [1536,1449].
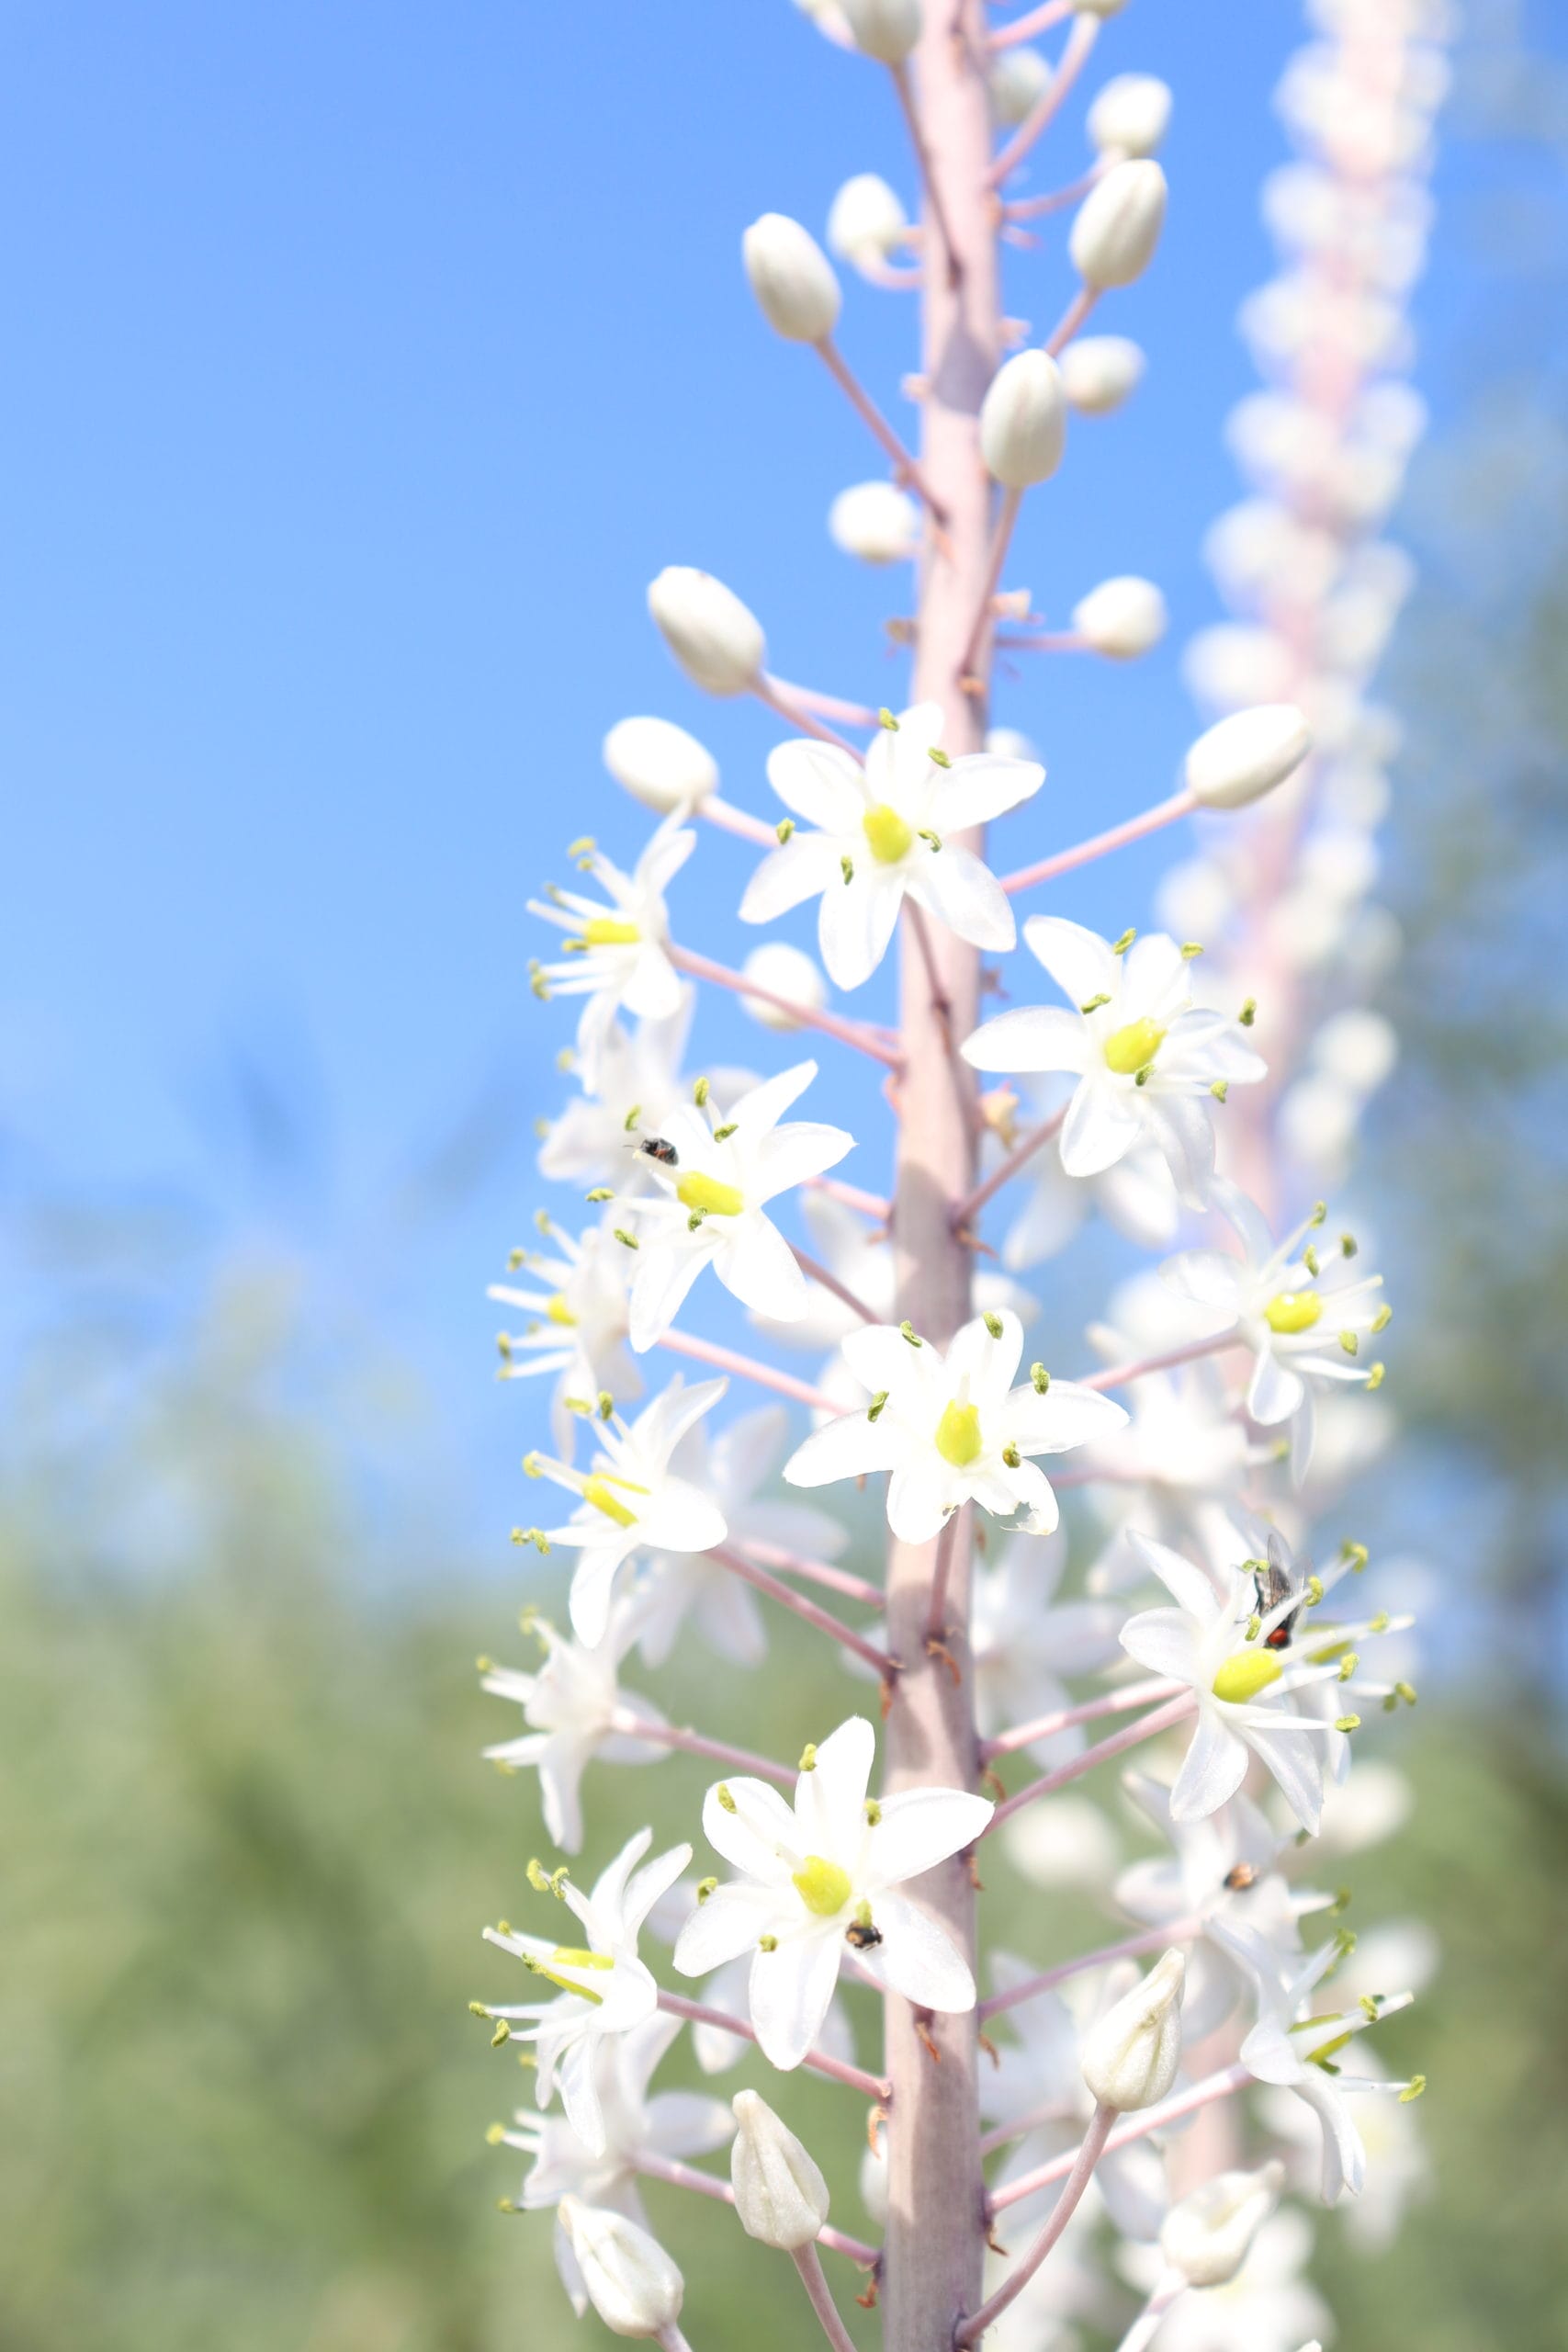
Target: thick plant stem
[932,2270]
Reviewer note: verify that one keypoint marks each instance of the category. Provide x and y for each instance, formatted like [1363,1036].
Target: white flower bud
[1247,755]
[780,2195]
[1122,617]
[659,763]
[1209,2235]
[1098,372]
[1008,744]
[1131,115]
[1024,421]
[887,29]
[630,2281]
[786,971]
[715,638]
[1118,226]
[792,278]
[1018,79]
[1130,2054]
[877,521]
[867,222]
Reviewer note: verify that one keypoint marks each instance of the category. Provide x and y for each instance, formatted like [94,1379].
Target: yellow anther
[1039,1379]
[1012,1456]
[1348,1723]
[1315,1590]
[701,1091]
[906,1331]
[706,1886]
[767,1943]
[1382,1319]
[1413,2089]
[1244,1676]
[807,1758]
[1119,947]
[994,1326]
[784,829]
[1293,1310]
[1190,947]
[1351,1342]
[607,931]
[503,2033]
[538,1968]
[1131,1048]
[558,1311]
[1220,1088]
[822,1885]
[1249,1013]
[874,1410]
[496,2135]
[706,1193]
[958,1437]
[1375,1376]
[884,719]
[890,836]
[726,1803]
[602,1495]
[873,1813]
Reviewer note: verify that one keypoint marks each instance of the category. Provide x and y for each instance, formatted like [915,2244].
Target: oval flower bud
[1018,79]
[1099,371]
[887,30]
[1118,226]
[877,521]
[629,2279]
[1247,755]
[716,640]
[780,2195]
[867,222]
[1122,617]
[659,763]
[1209,2235]
[1024,421]
[1131,115]
[792,278]
[784,971]
[1130,2054]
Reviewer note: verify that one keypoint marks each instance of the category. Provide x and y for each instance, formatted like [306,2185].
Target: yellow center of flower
[601,1495]
[890,836]
[699,1191]
[1244,1675]
[822,1886]
[1128,1049]
[958,1434]
[1293,1310]
[557,1309]
[605,931]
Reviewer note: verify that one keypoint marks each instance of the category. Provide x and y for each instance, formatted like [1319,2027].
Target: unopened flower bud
[786,971]
[1122,618]
[1118,226]
[1209,2235]
[659,763]
[1130,2055]
[887,29]
[715,638]
[792,278]
[1098,372]
[780,2195]
[1247,755]
[629,2279]
[1024,421]
[877,521]
[1131,115]
[867,222]
[1018,79]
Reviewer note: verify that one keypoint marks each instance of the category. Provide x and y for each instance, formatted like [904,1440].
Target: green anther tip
[1119,947]
[908,1331]
[807,1758]
[1040,1379]
[994,1326]
[884,719]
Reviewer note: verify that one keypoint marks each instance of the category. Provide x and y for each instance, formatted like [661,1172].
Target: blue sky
[364,365]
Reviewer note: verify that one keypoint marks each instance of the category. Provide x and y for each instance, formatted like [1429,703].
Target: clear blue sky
[364,364]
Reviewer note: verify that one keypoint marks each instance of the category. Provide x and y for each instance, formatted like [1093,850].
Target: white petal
[1185,1134]
[850,1447]
[819,783]
[802,867]
[1187,1586]
[756,1265]
[1079,961]
[761,1107]
[1296,1762]
[792,1154]
[1212,1769]
[857,921]
[1029,1037]
[723,1927]
[1161,1639]
[681,1518]
[1067,1415]
[917,1957]
[1275,1391]
[981,786]
[664,1275]
[962,891]
[790,1991]
[920,1827]
[989,1363]
[919,1494]
[756,1831]
[830,1799]
[1101,1126]
[1210,1279]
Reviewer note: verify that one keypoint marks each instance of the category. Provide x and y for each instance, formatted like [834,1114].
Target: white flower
[875,521]
[713,1190]
[631,1499]
[1129,115]
[882,834]
[1122,618]
[627,2275]
[575,1709]
[1023,1642]
[680,2124]
[1303,1316]
[659,764]
[1147,1060]
[578,1303]
[617,943]
[716,640]
[819,1878]
[1265,2308]
[594,1141]
[1099,371]
[1113,240]
[886,29]
[1209,2235]
[734,1473]
[1018,77]
[780,2196]
[1130,2054]
[866,222]
[1246,755]
[952,1429]
[604,1990]
[1024,421]
[792,278]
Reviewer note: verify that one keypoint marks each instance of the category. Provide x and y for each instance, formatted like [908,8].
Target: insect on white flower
[616,944]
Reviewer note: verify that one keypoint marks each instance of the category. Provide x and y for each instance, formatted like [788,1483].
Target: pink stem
[1045,641]
[1074,57]
[1001,540]
[736,820]
[808,2262]
[800,1392]
[677,2175]
[1072,318]
[1164,812]
[848,1033]
[1110,1702]
[929,180]
[870,1203]
[829,1281]
[865,408]
[1134,2127]
[1131,1948]
[966,1210]
[854,714]
[936,1621]
[1066,2205]
[1130,1735]
[696,1743]
[822,1572]
[806,1611]
[771,693]
[1039,20]
[1032,208]
[1120,1374]
[817,2061]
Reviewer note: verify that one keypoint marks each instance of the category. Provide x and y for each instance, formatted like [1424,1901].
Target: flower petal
[756,1265]
[801,868]
[1213,1769]
[791,1990]
[920,1827]
[830,1799]
[819,783]
[857,921]
[724,1927]
[1029,1037]
[848,1447]
[756,1831]
[1101,1124]
[960,890]
[917,1957]
[1079,961]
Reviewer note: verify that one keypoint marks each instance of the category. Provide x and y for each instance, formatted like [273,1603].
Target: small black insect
[861,1935]
[656,1149]
[1244,1875]
[1273,1586]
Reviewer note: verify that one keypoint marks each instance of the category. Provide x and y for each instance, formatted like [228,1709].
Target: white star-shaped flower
[575,1709]
[578,1303]
[1303,1315]
[819,1879]
[638,1077]
[882,833]
[952,1429]
[616,944]
[715,1178]
[631,1499]
[604,1989]
[1146,1058]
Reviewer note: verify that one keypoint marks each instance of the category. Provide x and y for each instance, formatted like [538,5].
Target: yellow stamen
[705,1193]
[603,930]
[822,1886]
[558,1311]
[567,1956]
[890,836]
[1128,1049]
[958,1434]
[1293,1310]
[1244,1675]
[597,1491]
